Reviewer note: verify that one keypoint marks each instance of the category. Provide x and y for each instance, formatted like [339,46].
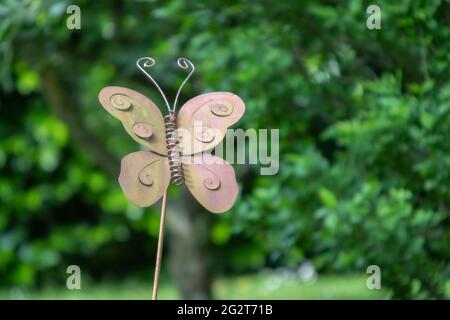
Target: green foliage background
[364,119]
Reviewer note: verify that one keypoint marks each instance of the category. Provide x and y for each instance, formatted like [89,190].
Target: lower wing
[144,176]
[211,180]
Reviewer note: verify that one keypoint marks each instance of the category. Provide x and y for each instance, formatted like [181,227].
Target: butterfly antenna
[183,63]
[147,62]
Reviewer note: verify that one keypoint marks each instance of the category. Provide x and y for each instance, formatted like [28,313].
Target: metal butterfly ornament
[176,145]
[173,156]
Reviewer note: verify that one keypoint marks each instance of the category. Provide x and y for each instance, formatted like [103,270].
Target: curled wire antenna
[148,62]
[183,63]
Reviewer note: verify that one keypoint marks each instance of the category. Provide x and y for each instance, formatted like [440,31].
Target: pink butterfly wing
[144,176]
[211,180]
[203,122]
[204,119]
[140,117]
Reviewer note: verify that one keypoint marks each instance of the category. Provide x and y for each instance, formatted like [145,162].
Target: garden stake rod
[176,144]
[160,247]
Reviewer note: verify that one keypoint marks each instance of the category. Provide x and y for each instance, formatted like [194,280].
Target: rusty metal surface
[215,111]
[140,117]
[144,176]
[211,180]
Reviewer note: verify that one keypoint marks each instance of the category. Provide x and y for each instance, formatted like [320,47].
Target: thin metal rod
[160,246]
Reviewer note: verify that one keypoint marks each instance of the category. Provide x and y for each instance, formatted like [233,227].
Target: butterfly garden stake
[176,146]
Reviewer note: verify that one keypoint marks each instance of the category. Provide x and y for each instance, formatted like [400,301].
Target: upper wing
[211,181]
[140,117]
[204,119]
[144,176]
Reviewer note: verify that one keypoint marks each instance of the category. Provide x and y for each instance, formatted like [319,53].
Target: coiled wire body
[173,150]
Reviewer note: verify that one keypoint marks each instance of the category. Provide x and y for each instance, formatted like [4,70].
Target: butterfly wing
[204,119]
[140,117]
[144,176]
[211,180]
